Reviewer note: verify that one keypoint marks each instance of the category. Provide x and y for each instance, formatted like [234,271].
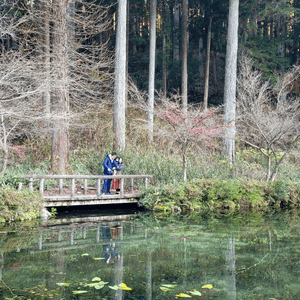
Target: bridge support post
[122,187]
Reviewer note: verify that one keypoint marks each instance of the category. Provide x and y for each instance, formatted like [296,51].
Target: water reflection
[144,257]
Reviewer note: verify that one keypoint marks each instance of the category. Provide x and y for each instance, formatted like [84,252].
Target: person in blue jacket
[108,165]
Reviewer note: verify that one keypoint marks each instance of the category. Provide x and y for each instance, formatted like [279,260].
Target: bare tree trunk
[184,158]
[164,67]
[127,50]
[175,32]
[120,78]
[230,79]
[60,141]
[215,57]
[46,38]
[4,148]
[200,55]
[269,167]
[184,71]
[205,100]
[151,70]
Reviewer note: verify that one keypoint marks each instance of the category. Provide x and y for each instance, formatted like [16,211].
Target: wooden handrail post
[20,186]
[131,185]
[146,182]
[42,187]
[122,188]
[98,187]
[31,184]
[85,186]
[73,187]
[60,182]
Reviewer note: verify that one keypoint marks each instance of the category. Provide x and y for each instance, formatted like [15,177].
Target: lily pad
[99,286]
[63,283]
[182,295]
[195,293]
[79,292]
[96,279]
[207,286]
[170,286]
[114,287]
[165,289]
[124,287]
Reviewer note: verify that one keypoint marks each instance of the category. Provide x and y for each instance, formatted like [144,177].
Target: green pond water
[140,256]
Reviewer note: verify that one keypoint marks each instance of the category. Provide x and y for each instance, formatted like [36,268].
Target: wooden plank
[60,203]
[85,176]
[89,197]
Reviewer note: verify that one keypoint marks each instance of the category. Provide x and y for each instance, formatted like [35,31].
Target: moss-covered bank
[222,196]
[19,205]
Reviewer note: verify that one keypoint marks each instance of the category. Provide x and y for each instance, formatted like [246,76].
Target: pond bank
[222,196]
[202,196]
[20,205]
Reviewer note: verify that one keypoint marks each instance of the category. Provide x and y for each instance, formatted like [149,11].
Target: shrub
[19,205]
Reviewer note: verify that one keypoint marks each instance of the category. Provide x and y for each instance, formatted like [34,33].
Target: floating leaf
[85,254]
[182,295]
[165,289]
[79,292]
[195,293]
[99,286]
[207,286]
[114,287]
[98,258]
[96,279]
[124,287]
[171,286]
[91,284]
[62,283]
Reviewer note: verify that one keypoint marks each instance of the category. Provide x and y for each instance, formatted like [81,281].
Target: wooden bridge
[73,190]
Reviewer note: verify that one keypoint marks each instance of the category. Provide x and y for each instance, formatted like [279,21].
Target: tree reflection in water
[152,258]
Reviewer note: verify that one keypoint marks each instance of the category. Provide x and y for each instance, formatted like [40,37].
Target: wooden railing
[99,181]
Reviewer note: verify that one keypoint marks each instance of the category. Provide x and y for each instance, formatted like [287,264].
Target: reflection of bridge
[77,191]
[68,234]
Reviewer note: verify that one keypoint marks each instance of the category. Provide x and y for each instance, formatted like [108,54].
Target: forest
[181,89]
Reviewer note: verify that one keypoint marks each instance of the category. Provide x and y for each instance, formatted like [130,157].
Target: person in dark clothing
[108,165]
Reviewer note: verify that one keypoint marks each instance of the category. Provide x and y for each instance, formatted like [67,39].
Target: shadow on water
[84,213]
[125,253]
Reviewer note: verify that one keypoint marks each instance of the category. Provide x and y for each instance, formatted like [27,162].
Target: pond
[134,255]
